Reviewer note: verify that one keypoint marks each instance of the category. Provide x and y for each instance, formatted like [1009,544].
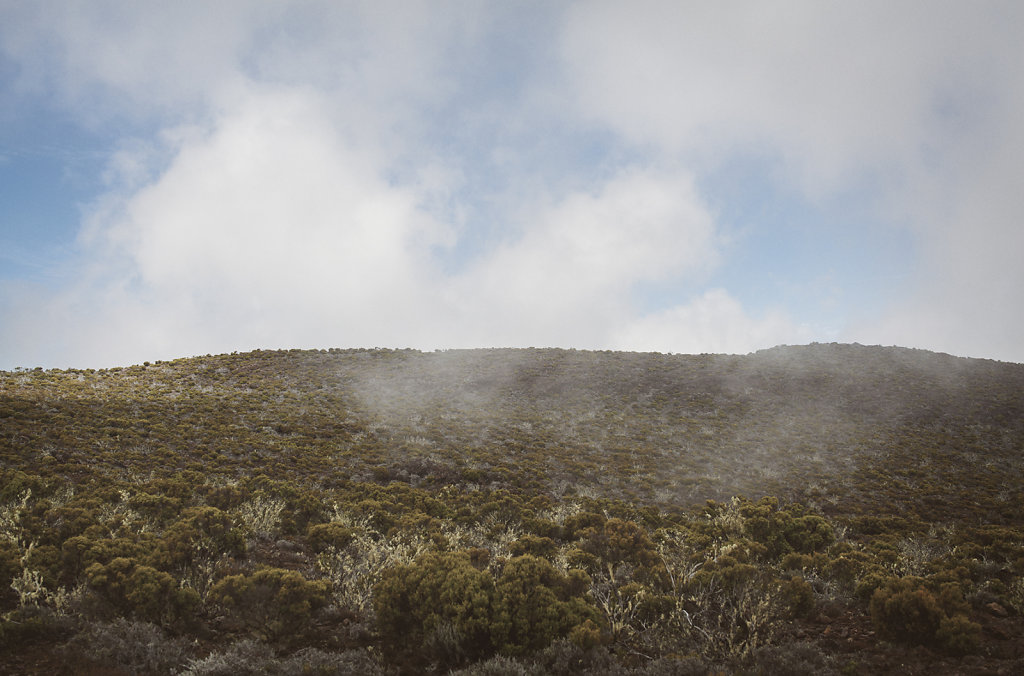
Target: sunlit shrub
[157,508]
[454,611]
[262,515]
[80,552]
[355,568]
[782,531]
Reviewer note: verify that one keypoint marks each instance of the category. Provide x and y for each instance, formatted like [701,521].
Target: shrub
[499,665]
[617,541]
[798,595]
[449,610]
[243,658]
[794,659]
[131,646]
[202,533]
[440,604]
[272,603]
[262,515]
[542,547]
[537,604]
[958,635]
[142,591]
[324,535]
[782,531]
[251,658]
[906,610]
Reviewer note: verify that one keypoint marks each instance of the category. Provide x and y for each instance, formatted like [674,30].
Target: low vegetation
[822,509]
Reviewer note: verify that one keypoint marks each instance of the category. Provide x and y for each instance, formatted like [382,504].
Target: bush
[537,604]
[142,592]
[798,595]
[272,603]
[906,610]
[794,659]
[324,535]
[542,547]
[784,531]
[202,533]
[440,604]
[131,646]
[244,658]
[448,610]
[958,635]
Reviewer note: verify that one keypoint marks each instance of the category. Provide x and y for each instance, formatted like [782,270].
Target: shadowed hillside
[207,477]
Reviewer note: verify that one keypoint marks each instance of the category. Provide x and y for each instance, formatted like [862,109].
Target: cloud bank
[457,175]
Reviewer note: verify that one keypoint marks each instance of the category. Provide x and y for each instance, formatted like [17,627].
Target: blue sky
[190,178]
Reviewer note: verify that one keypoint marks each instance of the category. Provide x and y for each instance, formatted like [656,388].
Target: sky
[194,178]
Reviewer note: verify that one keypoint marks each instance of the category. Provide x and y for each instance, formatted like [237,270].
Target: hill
[880,466]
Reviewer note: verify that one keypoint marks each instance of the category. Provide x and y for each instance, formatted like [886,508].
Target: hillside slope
[822,509]
[836,423]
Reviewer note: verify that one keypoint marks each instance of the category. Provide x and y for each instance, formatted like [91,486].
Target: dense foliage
[515,511]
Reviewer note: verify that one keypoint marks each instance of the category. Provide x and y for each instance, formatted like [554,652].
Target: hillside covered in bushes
[818,509]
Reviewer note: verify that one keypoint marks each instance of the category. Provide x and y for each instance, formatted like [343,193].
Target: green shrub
[80,552]
[798,595]
[871,581]
[440,605]
[794,561]
[158,508]
[537,604]
[845,568]
[907,610]
[784,531]
[617,541]
[958,635]
[446,609]
[202,533]
[324,535]
[142,591]
[542,547]
[272,603]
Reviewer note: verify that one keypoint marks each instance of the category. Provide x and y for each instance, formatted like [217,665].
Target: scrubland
[826,509]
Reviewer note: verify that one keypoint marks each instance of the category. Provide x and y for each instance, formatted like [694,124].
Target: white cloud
[833,88]
[311,160]
[270,228]
[712,322]
[569,279]
[914,106]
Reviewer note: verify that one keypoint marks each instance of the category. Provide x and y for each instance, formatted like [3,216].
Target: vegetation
[820,509]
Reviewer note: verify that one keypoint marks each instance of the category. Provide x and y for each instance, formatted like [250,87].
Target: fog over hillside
[832,422]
